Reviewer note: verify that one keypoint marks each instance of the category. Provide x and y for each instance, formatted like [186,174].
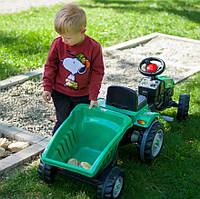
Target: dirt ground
[10,6]
[181,58]
[22,105]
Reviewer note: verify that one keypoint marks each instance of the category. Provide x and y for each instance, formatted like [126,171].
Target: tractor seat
[125,98]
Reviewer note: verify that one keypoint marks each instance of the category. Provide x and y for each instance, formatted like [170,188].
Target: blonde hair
[70,18]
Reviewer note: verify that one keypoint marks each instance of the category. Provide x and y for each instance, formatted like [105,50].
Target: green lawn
[25,40]
[25,37]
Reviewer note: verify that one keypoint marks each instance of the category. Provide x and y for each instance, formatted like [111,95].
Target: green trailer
[90,136]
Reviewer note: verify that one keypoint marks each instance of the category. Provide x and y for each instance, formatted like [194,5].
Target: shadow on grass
[26,184]
[5,38]
[174,172]
[7,70]
[180,8]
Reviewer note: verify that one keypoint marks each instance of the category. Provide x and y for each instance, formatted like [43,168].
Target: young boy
[74,69]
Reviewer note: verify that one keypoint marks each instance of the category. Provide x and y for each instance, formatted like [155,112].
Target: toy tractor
[160,89]
[93,136]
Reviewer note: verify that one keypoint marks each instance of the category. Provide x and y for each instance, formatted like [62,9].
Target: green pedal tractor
[86,144]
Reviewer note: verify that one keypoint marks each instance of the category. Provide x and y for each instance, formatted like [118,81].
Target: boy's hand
[46,96]
[93,103]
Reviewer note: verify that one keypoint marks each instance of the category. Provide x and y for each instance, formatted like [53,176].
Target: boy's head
[70,23]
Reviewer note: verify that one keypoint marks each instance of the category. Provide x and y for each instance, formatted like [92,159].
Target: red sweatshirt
[74,70]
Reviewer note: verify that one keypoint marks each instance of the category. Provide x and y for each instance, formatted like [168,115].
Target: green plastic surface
[144,113]
[169,82]
[89,136]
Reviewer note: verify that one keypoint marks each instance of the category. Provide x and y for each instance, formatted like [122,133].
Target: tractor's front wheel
[112,185]
[183,107]
[46,172]
[150,142]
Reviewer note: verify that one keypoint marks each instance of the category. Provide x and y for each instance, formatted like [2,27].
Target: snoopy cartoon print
[74,66]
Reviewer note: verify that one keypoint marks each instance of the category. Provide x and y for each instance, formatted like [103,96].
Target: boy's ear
[83,31]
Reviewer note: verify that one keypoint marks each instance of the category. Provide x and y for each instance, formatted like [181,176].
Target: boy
[74,69]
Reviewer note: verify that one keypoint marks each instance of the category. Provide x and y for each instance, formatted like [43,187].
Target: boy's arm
[97,74]
[50,68]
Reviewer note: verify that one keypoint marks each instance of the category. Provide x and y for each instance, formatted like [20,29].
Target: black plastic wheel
[150,142]
[46,172]
[112,185]
[183,107]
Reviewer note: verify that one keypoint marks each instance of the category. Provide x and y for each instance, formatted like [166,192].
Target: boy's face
[72,39]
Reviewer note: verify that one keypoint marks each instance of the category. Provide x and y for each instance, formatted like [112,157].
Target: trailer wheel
[112,185]
[46,172]
[150,142]
[183,107]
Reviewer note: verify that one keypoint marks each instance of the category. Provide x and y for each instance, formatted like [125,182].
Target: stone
[4,143]
[2,151]
[85,165]
[74,162]
[6,154]
[17,146]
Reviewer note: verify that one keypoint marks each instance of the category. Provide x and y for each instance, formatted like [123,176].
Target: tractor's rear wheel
[183,107]
[150,142]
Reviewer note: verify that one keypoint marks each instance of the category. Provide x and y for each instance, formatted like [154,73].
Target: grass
[173,175]
[24,44]
[25,37]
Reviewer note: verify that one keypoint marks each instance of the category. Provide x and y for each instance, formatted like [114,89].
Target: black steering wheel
[151,66]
